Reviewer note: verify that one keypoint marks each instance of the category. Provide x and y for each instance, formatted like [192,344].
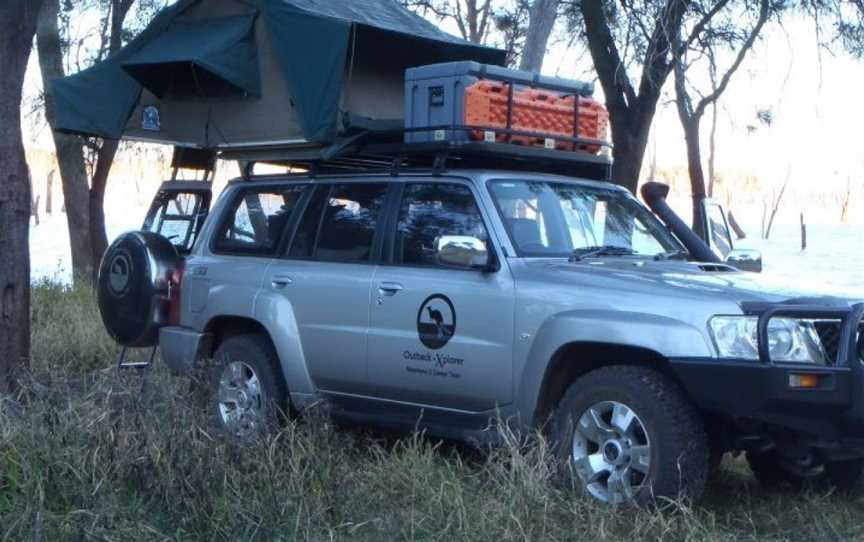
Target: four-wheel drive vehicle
[457,299]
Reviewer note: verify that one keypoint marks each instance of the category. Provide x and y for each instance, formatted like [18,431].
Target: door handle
[389,288]
[281,281]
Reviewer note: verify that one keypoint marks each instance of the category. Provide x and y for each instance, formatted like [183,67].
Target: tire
[247,393]
[775,472]
[133,287]
[676,461]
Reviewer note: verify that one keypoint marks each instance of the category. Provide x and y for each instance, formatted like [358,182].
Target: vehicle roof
[479,175]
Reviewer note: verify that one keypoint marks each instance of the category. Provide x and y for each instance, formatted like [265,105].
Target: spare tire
[134,287]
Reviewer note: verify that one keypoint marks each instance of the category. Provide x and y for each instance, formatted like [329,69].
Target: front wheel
[628,434]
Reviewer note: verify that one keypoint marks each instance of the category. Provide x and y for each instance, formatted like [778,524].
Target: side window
[340,223]
[429,212]
[258,220]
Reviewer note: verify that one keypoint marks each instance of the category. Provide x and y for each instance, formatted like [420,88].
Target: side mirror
[716,229]
[745,260]
[463,251]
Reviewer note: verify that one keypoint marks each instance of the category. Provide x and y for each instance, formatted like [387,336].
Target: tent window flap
[207,58]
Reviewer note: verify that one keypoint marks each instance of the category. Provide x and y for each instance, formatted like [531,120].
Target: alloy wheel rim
[240,398]
[611,452]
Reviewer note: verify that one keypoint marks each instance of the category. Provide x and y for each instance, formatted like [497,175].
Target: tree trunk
[49,191]
[17,25]
[70,154]
[98,234]
[697,175]
[712,152]
[630,132]
[541,20]
[803,233]
[34,205]
[739,231]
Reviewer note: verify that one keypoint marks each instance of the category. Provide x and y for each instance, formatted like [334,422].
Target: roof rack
[386,152]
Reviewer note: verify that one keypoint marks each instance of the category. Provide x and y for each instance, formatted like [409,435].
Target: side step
[123,363]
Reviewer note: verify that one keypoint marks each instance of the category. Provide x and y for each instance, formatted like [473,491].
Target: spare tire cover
[133,287]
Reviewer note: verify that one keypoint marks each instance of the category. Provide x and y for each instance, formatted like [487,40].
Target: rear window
[258,220]
[340,223]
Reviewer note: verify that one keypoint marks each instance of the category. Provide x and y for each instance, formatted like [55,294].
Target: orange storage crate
[547,113]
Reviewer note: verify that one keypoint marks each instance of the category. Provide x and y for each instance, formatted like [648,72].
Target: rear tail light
[174,283]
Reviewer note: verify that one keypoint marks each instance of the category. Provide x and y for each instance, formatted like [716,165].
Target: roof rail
[386,153]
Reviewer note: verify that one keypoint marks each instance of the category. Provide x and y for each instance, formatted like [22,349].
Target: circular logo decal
[118,274]
[436,321]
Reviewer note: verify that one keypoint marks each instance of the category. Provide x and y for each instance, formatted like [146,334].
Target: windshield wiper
[607,250]
[673,255]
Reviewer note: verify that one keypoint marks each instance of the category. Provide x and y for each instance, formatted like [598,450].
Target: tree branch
[619,92]
[742,53]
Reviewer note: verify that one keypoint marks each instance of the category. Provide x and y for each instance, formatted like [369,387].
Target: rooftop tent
[206,58]
[253,73]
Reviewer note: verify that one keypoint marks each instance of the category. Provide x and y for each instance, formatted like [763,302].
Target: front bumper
[760,391]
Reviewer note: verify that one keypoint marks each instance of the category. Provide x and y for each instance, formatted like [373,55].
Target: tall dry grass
[91,455]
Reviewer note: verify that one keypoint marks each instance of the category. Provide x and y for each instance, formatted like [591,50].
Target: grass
[90,456]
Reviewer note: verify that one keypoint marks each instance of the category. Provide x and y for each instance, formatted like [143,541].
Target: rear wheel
[628,434]
[247,391]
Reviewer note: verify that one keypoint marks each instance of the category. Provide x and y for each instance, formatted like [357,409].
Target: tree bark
[17,26]
[541,20]
[70,154]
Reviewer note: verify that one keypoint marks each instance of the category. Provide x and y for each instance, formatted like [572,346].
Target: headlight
[789,340]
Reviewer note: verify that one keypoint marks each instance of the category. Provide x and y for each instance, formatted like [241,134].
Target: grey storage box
[435,96]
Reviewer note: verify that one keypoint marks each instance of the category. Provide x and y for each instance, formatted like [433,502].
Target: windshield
[560,219]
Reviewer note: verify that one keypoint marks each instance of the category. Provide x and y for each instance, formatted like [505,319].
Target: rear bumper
[181,347]
[832,414]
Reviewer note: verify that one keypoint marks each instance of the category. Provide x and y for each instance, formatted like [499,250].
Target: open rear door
[178,212]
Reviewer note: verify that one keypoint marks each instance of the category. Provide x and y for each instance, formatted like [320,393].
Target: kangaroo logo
[436,321]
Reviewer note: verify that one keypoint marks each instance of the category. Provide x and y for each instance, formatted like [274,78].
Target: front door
[441,334]
[327,275]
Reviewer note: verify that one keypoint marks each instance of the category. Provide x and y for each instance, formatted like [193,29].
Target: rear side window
[429,212]
[258,220]
[340,223]
[178,216]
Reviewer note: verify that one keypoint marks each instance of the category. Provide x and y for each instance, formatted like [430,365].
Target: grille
[829,333]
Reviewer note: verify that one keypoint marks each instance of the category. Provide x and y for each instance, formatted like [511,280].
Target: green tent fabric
[98,101]
[314,76]
[208,57]
[311,41]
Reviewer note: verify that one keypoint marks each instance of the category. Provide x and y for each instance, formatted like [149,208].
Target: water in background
[833,262]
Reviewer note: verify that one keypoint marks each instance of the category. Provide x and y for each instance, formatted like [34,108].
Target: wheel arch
[224,326]
[577,358]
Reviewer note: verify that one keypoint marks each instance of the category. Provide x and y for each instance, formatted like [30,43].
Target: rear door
[441,335]
[178,212]
[326,275]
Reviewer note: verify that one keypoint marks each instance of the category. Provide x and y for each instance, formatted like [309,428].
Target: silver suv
[461,300]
